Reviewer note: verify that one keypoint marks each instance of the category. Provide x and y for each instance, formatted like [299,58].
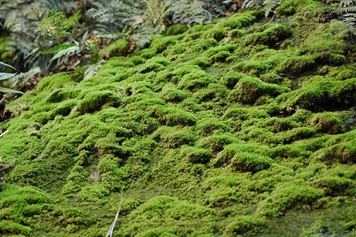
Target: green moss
[220,57]
[230,79]
[297,65]
[327,43]
[154,64]
[328,122]
[136,60]
[249,89]
[213,93]
[173,116]
[176,29]
[146,53]
[244,161]
[231,153]
[20,207]
[165,209]
[195,155]
[76,179]
[195,80]
[56,81]
[284,197]
[59,95]
[236,33]
[344,153]
[173,138]
[202,62]
[96,101]
[216,143]
[229,129]
[272,36]
[64,108]
[238,21]
[244,225]
[199,28]
[171,94]
[318,92]
[160,44]
[216,33]
[277,124]
[117,48]
[211,127]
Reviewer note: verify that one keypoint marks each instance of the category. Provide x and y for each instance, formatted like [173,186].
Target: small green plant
[267,5]
[5,76]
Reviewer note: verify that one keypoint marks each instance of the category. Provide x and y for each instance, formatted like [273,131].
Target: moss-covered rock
[240,127]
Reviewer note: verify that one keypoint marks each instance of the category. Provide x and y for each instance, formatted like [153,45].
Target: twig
[3,134]
[111,229]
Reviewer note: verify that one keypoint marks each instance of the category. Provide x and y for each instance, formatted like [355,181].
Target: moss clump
[278,125]
[117,48]
[333,185]
[230,79]
[170,93]
[216,143]
[244,161]
[344,153]
[297,65]
[272,36]
[21,208]
[173,138]
[195,155]
[64,108]
[227,155]
[328,122]
[160,44]
[249,89]
[238,21]
[320,94]
[236,33]
[202,62]
[220,57]
[58,80]
[216,33]
[165,209]
[284,197]
[196,80]
[173,116]
[59,95]
[136,60]
[244,225]
[214,93]
[176,29]
[211,127]
[96,101]
[326,45]
[76,179]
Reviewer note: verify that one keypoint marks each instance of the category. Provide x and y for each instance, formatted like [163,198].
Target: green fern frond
[67,52]
[348,11]
[268,5]
[189,12]
[251,3]
[92,69]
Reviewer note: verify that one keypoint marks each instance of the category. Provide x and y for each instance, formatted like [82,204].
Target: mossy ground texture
[241,128]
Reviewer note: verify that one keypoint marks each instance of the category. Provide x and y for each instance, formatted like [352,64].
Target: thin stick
[3,134]
[112,227]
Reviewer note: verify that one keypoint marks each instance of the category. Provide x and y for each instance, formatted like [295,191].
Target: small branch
[3,134]
[112,227]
